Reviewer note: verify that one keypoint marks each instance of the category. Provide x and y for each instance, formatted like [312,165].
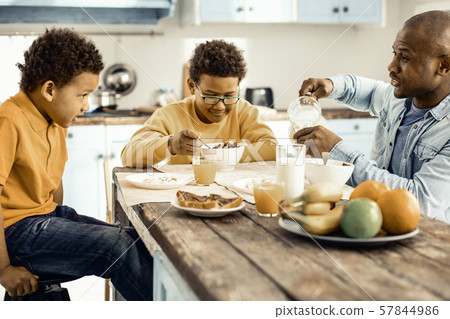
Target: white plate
[213,212]
[246,184]
[158,180]
[340,239]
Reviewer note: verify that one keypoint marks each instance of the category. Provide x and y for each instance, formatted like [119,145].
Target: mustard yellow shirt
[33,154]
[148,145]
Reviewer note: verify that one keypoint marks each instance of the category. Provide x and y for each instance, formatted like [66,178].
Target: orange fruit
[400,210]
[369,189]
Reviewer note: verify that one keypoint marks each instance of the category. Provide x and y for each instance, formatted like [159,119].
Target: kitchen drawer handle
[345,9]
[356,127]
[335,10]
[70,135]
[100,156]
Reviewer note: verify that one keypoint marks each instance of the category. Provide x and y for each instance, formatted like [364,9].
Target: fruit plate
[158,180]
[342,240]
[213,212]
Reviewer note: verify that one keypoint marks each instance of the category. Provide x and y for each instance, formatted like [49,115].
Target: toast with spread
[187,199]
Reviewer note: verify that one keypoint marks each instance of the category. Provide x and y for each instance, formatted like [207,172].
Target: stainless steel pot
[104,98]
[118,79]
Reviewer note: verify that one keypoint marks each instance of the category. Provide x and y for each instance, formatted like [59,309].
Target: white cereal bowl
[226,158]
[334,171]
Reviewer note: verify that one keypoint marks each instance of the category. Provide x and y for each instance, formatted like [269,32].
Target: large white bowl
[226,158]
[334,171]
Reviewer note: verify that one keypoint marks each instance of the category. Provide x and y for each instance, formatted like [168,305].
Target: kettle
[259,96]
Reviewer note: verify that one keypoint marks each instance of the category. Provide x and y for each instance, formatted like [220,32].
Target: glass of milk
[291,169]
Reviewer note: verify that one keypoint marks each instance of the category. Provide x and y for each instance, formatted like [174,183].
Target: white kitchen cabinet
[117,136]
[83,180]
[82,189]
[339,11]
[359,132]
[249,11]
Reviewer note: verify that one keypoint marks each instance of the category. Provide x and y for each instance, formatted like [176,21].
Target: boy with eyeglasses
[215,112]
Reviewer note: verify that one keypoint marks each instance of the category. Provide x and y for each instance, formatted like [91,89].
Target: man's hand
[319,88]
[320,137]
[185,143]
[18,281]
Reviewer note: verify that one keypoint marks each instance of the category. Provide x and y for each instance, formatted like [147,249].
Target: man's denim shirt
[425,166]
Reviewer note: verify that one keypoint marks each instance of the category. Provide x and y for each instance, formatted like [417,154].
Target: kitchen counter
[329,114]
[108,119]
[140,118]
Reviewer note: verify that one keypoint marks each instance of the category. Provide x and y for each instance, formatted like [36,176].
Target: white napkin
[228,179]
[134,195]
[225,183]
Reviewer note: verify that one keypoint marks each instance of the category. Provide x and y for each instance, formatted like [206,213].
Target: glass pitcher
[303,112]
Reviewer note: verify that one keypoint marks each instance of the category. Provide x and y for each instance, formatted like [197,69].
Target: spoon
[204,143]
[325,157]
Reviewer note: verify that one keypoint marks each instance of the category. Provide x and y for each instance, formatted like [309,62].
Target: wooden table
[242,256]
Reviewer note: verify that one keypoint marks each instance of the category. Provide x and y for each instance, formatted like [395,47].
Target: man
[411,149]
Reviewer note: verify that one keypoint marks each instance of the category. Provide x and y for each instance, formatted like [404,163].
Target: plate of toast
[158,180]
[212,205]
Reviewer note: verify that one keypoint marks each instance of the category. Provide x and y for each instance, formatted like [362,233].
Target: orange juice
[267,197]
[204,171]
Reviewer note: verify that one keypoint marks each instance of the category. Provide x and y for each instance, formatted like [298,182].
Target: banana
[315,208]
[319,224]
[321,192]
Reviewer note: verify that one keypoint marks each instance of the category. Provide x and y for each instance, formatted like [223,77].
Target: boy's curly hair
[218,58]
[58,55]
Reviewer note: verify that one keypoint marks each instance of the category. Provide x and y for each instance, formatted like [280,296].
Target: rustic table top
[242,256]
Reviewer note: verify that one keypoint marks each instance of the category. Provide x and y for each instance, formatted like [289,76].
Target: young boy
[215,112]
[39,238]
[412,141]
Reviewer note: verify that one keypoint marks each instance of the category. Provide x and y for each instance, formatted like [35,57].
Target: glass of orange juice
[268,196]
[204,170]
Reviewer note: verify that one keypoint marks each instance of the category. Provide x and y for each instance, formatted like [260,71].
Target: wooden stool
[44,293]
[49,290]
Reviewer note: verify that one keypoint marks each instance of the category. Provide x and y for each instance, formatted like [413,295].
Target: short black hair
[218,58]
[435,29]
[58,55]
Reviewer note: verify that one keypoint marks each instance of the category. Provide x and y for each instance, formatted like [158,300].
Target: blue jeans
[69,245]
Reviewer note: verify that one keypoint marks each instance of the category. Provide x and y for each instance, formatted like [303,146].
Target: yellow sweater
[148,145]
[33,154]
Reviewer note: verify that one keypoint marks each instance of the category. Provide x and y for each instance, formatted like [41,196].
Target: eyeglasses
[212,99]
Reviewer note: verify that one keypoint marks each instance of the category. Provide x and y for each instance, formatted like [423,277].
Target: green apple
[362,218]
